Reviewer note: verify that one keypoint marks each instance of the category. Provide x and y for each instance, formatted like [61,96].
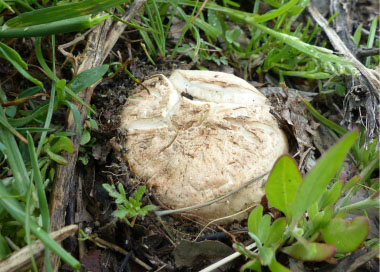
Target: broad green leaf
[283,183]
[254,219]
[275,232]
[346,236]
[264,228]
[266,255]
[87,78]
[331,196]
[277,267]
[310,252]
[318,178]
[61,143]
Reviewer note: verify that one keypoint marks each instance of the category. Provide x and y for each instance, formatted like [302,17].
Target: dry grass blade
[342,48]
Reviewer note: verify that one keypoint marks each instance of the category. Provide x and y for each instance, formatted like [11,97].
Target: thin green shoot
[371,38]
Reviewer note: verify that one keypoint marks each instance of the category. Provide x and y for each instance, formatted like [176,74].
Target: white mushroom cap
[192,151]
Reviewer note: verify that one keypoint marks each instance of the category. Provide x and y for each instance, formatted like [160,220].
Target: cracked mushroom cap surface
[198,135]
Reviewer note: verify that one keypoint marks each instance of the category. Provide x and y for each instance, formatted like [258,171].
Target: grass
[257,46]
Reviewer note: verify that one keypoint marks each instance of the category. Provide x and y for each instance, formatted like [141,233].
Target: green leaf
[277,267]
[310,251]
[317,179]
[371,37]
[357,35]
[318,221]
[264,228]
[254,219]
[85,138]
[57,13]
[331,196]
[214,21]
[351,183]
[55,157]
[139,193]
[283,183]
[276,232]
[16,210]
[14,58]
[346,236]
[266,255]
[252,265]
[330,124]
[87,78]
[61,143]
[76,115]
[11,53]
[4,248]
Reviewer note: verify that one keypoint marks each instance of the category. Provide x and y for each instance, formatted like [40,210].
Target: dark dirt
[161,242]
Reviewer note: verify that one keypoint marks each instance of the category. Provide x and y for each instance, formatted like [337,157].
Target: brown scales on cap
[193,150]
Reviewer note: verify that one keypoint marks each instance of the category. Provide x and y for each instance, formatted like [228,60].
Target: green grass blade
[33,116]
[12,56]
[62,26]
[52,75]
[27,226]
[49,114]
[308,49]
[64,12]
[15,209]
[15,160]
[330,124]
[371,38]
[44,208]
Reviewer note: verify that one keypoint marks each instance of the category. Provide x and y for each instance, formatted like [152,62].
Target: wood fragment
[21,261]
[100,42]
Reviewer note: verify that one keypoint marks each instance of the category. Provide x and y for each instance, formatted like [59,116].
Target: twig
[342,48]
[225,260]
[204,204]
[22,100]
[366,52]
[21,258]
[120,250]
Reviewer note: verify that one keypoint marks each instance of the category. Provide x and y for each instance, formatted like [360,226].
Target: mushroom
[198,135]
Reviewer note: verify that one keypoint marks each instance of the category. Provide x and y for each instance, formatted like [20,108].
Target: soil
[169,243]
